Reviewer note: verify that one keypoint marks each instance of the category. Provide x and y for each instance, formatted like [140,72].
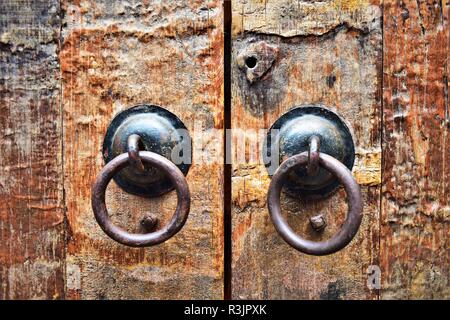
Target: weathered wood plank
[327,52]
[31,194]
[117,54]
[416,151]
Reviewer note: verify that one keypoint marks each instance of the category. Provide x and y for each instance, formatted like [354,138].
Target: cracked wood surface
[416,151]
[115,55]
[111,56]
[327,52]
[315,65]
[31,190]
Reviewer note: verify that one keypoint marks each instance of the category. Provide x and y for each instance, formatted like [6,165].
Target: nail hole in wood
[251,62]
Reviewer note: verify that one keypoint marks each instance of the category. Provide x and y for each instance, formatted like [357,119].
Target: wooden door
[68,67]
[382,66]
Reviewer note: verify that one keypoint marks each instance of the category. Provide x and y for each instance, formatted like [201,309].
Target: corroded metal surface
[312,167]
[318,222]
[147,239]
[133,153]
[159,131]
[352,221]
[291,134]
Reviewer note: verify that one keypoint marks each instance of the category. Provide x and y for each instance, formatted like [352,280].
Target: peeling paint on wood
[416,151]
[31,195]
[330,53]
[115,55]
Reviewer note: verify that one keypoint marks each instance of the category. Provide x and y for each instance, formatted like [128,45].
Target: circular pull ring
[134,239]
[354,214]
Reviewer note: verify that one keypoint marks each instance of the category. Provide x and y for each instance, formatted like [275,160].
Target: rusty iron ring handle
[354,214]
[134,239]
[133,152]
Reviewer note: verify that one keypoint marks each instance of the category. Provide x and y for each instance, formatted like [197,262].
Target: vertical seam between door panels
[61,121]
[381,146]
[227,151]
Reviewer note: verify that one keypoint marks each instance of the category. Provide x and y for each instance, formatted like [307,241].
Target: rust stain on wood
[115,56]
[416,151]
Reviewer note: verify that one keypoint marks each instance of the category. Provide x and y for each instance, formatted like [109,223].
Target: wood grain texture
[31,195]
[116,54]
[327,52]
[416,151]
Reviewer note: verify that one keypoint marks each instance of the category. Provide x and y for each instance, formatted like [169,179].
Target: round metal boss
[161,132]
[291,134]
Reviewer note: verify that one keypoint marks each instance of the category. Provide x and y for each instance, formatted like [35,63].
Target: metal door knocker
[317,153]
[139,147]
